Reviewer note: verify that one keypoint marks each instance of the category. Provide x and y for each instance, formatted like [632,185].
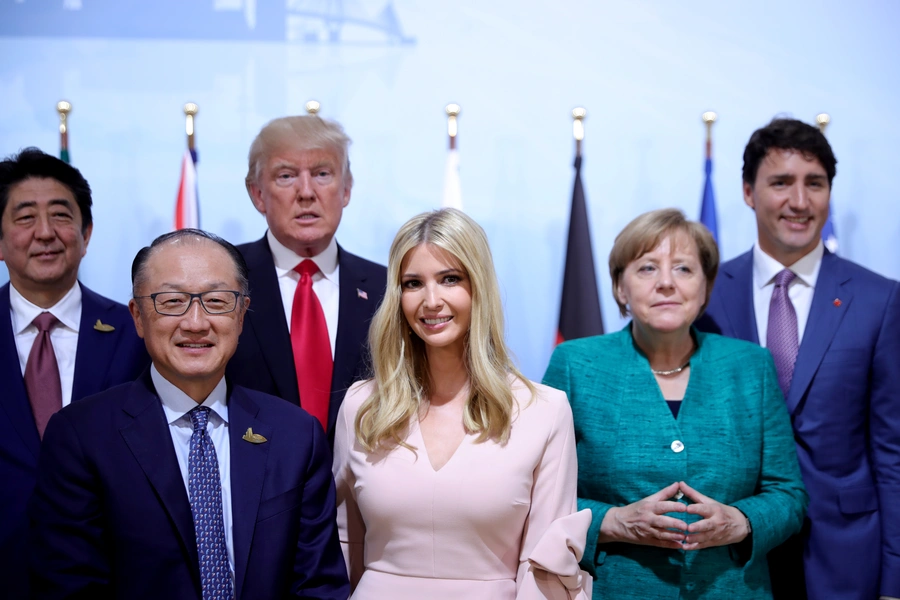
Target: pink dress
[496,522]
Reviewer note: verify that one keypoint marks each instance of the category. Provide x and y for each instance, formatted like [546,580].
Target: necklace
[673,371]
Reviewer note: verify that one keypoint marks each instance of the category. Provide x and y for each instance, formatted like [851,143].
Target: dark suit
[264,360]
[111,517]
[844,403]
[103,359]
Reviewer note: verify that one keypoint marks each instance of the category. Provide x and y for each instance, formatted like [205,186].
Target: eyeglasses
[175,304]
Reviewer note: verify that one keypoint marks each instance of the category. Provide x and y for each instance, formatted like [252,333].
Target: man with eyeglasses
[180,484]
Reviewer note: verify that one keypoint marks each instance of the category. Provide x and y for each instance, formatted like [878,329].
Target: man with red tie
[59,341]
[305,339]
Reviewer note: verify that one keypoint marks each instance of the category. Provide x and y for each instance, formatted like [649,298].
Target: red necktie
[42,374]
[311,345]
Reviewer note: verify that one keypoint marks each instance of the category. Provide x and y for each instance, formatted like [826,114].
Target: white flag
[452,193]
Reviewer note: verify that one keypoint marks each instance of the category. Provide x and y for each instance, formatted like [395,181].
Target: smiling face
[436,297]
[302,194]
[664,288]
[190,351]
[790,196]
[43,242]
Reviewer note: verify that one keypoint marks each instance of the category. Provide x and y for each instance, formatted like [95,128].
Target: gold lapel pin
[254,438]
[100,326]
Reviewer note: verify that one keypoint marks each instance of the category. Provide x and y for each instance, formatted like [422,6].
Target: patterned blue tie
[781,334]
[205,491]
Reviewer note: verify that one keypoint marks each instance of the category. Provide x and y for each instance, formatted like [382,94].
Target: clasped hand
[645,522]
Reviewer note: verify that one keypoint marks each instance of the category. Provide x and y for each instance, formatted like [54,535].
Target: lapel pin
[254,438]
[100,326]
[361,294]
[837,301]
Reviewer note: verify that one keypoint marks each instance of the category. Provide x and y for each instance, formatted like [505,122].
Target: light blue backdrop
[644,69]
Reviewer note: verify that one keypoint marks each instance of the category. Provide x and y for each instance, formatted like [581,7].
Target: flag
[452,192]
[708,204]
[187,205]
[829,236]
[64,155]
[579,311]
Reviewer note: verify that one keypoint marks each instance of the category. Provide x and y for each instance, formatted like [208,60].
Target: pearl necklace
[671,372]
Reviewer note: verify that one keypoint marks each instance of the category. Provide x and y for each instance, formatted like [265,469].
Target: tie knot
[307,267]
[785,277]
[199,418]
[45,321]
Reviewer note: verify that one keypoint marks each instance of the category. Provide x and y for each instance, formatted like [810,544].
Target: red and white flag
[187,206]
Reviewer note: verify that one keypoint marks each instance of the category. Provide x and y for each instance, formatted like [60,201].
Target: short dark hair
[240,265]
[788,134]
[32,163]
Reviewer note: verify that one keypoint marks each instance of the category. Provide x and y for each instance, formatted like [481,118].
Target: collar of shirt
[286,259]
[176,404]
[67,310]
[765,268]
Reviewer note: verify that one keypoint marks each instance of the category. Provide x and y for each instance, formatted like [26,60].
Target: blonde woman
[455,475]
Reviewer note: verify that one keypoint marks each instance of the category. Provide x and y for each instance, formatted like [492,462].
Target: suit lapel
[248,468]
[735,284]
[147,435]
[823,322]
[96,349]
[354,309]
[266,317]
[14,398]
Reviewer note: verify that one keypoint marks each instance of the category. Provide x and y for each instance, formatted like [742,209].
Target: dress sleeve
[351,527]
[777,509]
[554,535]
[558,376]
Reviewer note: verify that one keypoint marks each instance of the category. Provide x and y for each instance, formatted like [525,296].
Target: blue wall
[645,70]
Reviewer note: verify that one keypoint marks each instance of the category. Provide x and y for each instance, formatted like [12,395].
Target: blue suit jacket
[264,359]
[844,403]
[103,359]
[111,517]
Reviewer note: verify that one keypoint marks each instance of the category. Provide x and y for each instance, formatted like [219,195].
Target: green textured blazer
[736,446]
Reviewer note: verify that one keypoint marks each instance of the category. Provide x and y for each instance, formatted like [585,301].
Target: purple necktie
[781,337]
[42,374]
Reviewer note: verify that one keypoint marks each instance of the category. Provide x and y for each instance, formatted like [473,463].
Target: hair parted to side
[647,231]
[187,237]
[398,355]
[788,134]
[302,132]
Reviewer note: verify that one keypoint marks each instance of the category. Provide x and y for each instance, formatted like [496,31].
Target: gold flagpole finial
[190,111]
[63,108]
[578,114]
[452,111]
[822,120]
[709,117]
[313,107]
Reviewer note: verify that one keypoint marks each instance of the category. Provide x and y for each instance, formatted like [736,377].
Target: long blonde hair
[402,382]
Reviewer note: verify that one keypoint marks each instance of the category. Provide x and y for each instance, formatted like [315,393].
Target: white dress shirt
[177,405]
[325,282]
[64,336]
[800,291]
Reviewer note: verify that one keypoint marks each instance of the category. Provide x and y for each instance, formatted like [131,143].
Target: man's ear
[255,193]
[748,196]
[135,311]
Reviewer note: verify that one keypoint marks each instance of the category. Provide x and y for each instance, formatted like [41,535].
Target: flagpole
[63,108]
[312,107]
[578,114]
[829,234]
[190,111]
[709,117]
[453,111]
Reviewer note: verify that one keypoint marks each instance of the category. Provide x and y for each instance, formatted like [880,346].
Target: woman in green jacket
[685,451]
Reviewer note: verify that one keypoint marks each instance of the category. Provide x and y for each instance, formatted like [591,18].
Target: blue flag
[708,205]
[829,236]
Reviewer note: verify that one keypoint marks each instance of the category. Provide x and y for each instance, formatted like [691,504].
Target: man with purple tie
[833,329]
[181,485]
[59,341]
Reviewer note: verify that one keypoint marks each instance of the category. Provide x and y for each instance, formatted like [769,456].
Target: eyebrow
[211,287]
[33,203]
[444,272]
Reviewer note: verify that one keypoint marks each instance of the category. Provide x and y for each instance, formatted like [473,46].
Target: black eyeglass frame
[199,297]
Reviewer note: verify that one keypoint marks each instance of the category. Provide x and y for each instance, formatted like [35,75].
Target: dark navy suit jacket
[103,359]
[844,403]
[264,359]
[111,518]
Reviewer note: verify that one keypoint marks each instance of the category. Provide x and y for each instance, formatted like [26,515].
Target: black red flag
[579,311]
